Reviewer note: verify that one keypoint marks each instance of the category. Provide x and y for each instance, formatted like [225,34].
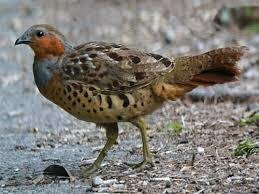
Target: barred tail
[214,67]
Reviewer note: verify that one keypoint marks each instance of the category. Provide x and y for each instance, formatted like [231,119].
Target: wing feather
[113,67]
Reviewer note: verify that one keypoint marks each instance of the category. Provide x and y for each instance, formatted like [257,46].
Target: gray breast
[43,71]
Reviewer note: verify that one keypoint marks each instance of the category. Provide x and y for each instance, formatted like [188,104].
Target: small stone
[86,162]
[167,191]
[161,179]
[109,182]
[234,178]
[132,175]
[64,181]
[249,179]
[100,190]
[16,170]
[200,150]
[185,168]
[97,181]
[118,186]
[144,183]
[103,190]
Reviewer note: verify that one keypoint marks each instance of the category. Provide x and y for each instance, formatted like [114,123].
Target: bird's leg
[147,159]
[111,134]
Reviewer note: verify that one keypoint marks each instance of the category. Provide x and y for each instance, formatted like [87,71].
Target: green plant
[245,147]
[254,119]
[175,128]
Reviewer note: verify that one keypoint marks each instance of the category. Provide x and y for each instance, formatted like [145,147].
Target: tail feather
[217,76]
[214,67]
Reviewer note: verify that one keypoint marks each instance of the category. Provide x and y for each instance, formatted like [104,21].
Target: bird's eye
[40,33]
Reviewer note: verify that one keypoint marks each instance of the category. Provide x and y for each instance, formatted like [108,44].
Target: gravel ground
[35,133]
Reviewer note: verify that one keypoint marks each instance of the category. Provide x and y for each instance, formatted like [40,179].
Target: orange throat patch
[47,46]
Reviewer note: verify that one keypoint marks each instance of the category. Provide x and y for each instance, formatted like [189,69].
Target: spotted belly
[86,103]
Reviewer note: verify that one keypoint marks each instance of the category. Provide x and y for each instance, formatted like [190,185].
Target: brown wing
[113,67]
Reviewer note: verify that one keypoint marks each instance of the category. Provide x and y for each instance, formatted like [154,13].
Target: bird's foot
[140,166]
[88,171]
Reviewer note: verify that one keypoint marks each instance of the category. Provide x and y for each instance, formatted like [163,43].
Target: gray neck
[43,70]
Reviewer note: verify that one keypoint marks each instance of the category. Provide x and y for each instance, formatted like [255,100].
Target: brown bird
[107,83]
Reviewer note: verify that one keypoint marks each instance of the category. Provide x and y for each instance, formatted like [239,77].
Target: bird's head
[45,41]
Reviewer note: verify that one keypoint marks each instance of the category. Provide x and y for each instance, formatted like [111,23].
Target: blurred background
[36,133]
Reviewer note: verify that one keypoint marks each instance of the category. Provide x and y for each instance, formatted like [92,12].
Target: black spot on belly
[75,94]
[109,101]
[125,100]
[86,94]
[76,86]
[80,88]
[68,88]
[100,99]
[119,117]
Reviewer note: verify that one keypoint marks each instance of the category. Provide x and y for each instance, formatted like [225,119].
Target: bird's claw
[88,171]
[140,166]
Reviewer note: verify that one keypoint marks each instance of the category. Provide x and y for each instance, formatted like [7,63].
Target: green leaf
[245,147]
[175,128]
[252,120]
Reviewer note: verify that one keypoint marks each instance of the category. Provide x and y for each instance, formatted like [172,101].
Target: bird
[107,83]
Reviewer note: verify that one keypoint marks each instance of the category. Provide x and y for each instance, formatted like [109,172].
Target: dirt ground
[34,133]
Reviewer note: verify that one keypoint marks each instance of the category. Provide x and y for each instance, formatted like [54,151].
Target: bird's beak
[24,39]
